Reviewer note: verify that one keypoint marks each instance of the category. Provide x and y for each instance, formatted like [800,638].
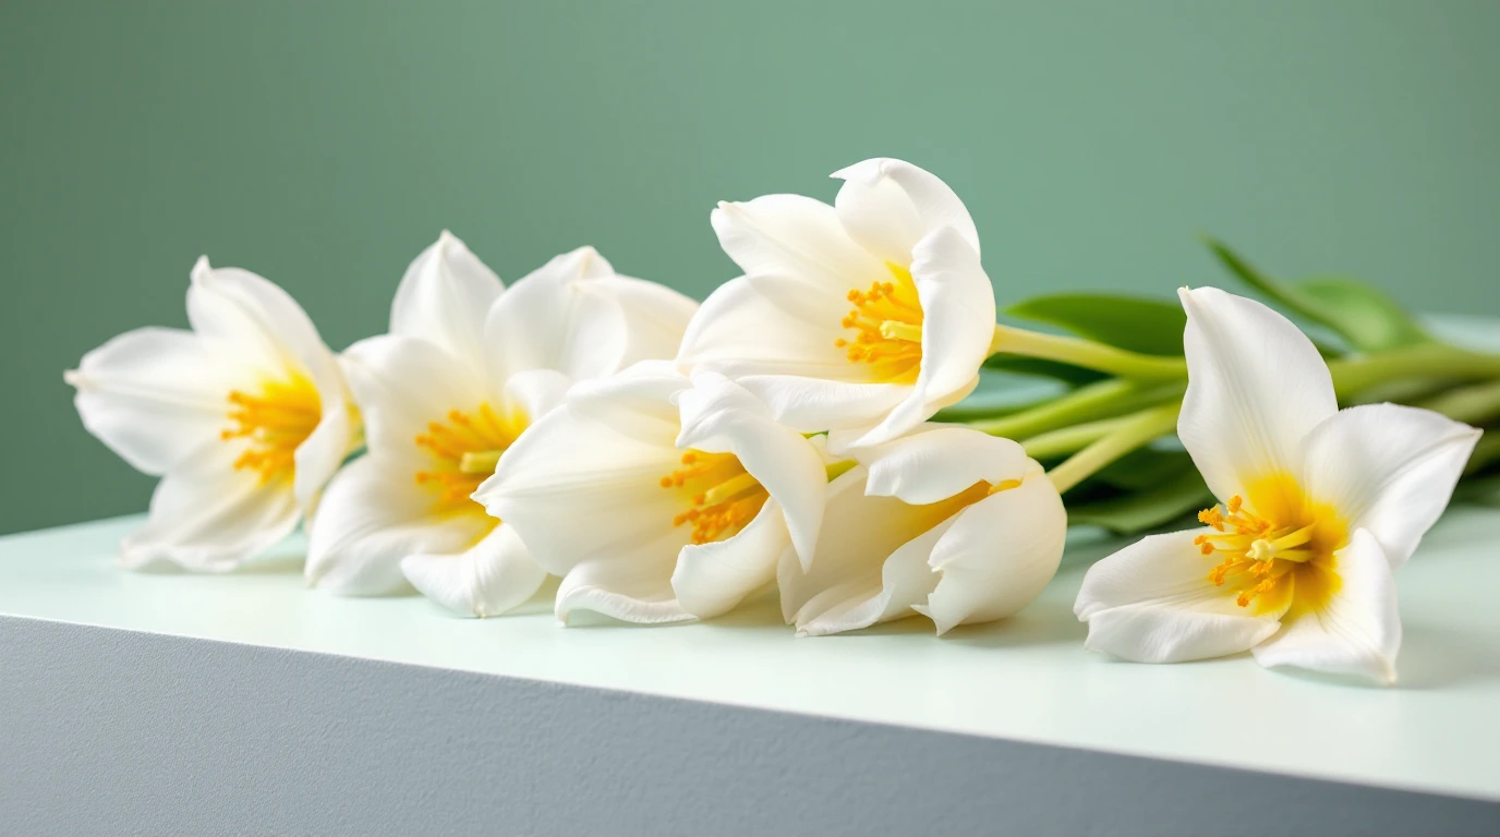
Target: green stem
[1102,399]
[1086,354]
[1431,360]
[1139,430]
[1065,440]
[1475,404]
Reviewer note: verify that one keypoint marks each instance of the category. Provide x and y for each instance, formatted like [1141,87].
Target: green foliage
[1363,315]
[1149,508]
[1042,368]
[1136,324]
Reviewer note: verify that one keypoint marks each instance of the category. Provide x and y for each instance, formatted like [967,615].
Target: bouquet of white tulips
[846,423]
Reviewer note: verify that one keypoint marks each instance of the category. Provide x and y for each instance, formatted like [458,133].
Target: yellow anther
[275,423]
[465,448]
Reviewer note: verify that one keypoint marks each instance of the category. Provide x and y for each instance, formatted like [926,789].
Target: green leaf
[1130,514]
[1145,468]
[1040,368]
[1136,324]
[1362,314]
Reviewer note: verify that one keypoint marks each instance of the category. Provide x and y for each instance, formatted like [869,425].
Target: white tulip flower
[1320,507]
[245,417]
[466,367]
[863,318]
[658,501]
[945,521]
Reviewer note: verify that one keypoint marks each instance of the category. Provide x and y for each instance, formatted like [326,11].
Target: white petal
[403,383]
[493,576]
[1357,632]
[791,235]
[653,316]
[152,393]
[373,515]
[323,451]
[639,401]
[537,392]
[576,487]
[444,297]
[577,316]
[998,554]
[1256,387]
[1389,469]
[866,567]
[711,578]
[958,306]
[243,315]
[888,205]
[812,405]
[632,586]
[208,516]
[1152,602]
[936,461]
[720,417]
[772,325]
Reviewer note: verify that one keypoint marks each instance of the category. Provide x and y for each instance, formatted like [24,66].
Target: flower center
[1285,549]
[465,449]
[887,326]
[274,422]
[722,496]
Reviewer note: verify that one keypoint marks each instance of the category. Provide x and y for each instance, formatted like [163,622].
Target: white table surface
[1027,678]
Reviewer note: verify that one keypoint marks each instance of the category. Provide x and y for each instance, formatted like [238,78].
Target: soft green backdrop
[323,144]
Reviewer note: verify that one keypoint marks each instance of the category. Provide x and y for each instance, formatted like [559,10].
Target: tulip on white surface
[658,499]
[946,522]
[244,418]
[466,367]
[1320,506]
[863,318]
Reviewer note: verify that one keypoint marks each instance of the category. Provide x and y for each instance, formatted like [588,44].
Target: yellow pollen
[720,495]
[275,422]
[1279,546]
[464,449]
[887,326]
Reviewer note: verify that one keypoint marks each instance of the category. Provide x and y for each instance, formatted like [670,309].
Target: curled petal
[1357,631]
[720,417]
[998,554]
[1256,388]
[444,297]
[769,324]
[937,461]
[632,586]
[870,563]
[1389,469]
[889,205]
[488,579]
[959,308]
[712,578]
[1152,602]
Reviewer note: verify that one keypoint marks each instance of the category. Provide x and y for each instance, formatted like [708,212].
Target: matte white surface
[1025,679]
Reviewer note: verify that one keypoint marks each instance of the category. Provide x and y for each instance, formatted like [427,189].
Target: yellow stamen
[275,423]
[720,494]
[465,449]
[887,326]
[1265,545]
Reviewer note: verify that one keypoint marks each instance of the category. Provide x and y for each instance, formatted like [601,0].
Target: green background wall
[323,144]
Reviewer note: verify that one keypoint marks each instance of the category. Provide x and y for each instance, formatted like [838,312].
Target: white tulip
[244,418]
[1320,507]
[945,521]
[863,318]
[466,368]
[657,501]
